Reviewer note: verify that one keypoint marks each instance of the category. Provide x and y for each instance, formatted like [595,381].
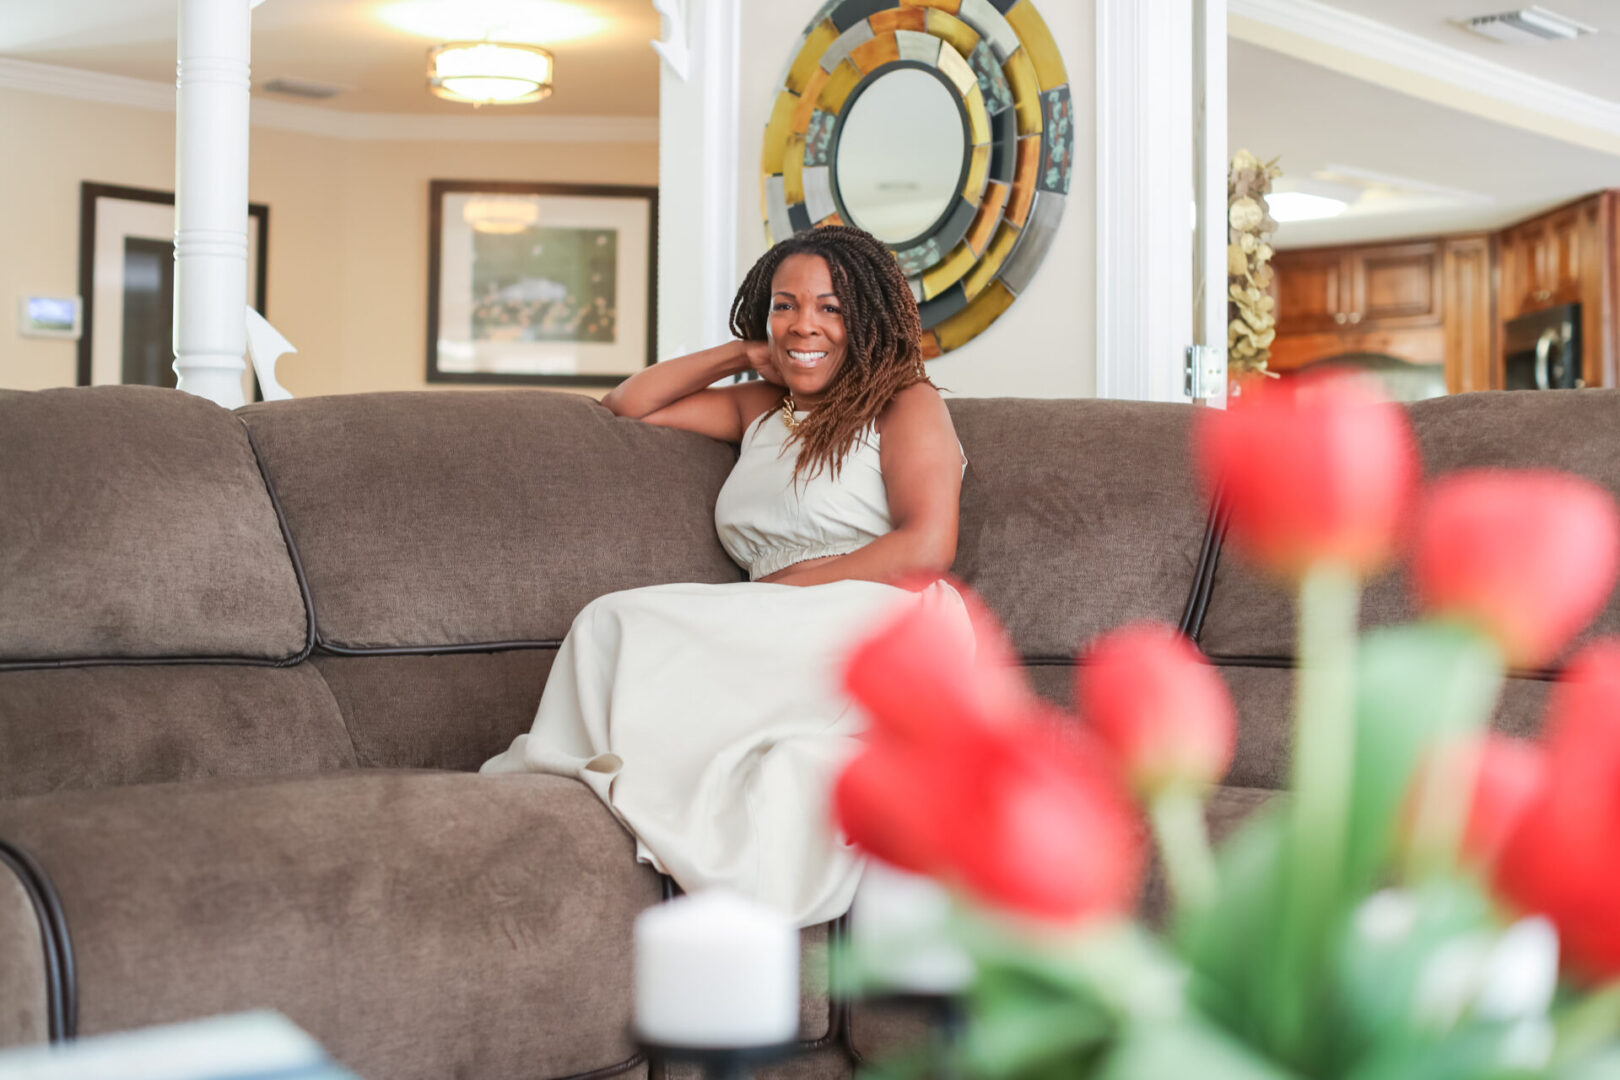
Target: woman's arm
[679,393]
[922,474]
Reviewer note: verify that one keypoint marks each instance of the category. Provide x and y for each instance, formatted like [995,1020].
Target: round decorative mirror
[900,155]
[943,127]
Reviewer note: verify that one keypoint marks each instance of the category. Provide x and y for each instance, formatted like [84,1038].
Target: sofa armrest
[418,924]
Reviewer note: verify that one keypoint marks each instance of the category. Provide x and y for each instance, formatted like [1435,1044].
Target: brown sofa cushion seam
[431,650]
[312,633]
[1290,663]
[631,1062]
[1209,560]
[61,989]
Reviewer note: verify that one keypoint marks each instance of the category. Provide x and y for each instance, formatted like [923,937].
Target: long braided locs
[883,336]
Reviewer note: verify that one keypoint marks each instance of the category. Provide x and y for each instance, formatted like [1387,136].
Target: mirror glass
[899,157]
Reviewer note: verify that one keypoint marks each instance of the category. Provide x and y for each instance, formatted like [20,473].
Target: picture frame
[126,282]
[540,284]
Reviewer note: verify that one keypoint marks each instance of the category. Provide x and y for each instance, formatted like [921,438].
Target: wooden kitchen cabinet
[1382,287]
[1398,285]
[1311,292]
[1549,260]
[1425,301]
[1566,256]
[1445,301]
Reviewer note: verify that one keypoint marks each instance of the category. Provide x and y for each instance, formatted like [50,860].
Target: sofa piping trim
[433,650]
[1209,558]
[61,989]
[1289,663]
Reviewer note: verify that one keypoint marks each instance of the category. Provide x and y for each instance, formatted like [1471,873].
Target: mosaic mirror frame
[999,57]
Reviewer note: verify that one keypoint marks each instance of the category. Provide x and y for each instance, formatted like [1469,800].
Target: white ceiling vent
[304,88]
[1527,26]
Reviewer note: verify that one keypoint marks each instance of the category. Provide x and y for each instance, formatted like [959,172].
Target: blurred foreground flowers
[1431,901]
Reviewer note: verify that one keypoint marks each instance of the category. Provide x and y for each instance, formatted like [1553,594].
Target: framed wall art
[126,280]
[540,283]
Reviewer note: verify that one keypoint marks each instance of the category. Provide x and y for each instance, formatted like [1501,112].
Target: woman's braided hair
[883,336]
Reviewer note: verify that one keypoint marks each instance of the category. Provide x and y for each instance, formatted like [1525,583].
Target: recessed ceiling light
[1298,206]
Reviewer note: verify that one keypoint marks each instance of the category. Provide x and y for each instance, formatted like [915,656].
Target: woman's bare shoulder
[918,406]
[755,398]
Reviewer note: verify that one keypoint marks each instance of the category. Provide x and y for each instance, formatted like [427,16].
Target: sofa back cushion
[134,524]
[432,521]
[1077,516]
[1576,431]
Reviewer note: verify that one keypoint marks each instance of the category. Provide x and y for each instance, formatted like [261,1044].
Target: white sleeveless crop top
[766,523]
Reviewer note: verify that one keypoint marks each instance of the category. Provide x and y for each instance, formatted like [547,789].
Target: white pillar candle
[715,970]
[898,923]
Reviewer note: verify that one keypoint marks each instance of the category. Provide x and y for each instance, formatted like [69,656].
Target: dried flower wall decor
[1253,324]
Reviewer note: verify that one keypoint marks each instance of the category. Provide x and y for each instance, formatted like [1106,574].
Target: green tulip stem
[1324,750]
[1325,731]
[1189,866]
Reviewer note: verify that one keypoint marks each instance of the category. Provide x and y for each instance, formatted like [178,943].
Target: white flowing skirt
[710,720]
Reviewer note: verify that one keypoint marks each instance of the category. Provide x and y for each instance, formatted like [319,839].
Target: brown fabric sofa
[248,661]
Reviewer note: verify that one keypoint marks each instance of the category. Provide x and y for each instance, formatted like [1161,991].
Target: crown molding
[121,90]
[85,85]
[1379,42]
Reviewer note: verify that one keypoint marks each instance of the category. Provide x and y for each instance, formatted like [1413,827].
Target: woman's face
[806,327]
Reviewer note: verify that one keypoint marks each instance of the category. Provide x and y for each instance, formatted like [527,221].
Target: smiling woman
[708,717]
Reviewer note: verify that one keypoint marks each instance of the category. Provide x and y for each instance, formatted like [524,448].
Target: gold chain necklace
[788,418]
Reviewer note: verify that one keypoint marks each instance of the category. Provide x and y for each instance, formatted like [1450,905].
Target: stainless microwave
[1542,350]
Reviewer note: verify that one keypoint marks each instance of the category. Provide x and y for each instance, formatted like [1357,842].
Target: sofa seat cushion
[91,727]
[420,925]
[1077,516]
[432,520]
[134,523]
[1575,431]
[451,711]
[1265,705]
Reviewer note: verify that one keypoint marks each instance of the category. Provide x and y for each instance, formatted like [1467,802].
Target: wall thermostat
[49,316]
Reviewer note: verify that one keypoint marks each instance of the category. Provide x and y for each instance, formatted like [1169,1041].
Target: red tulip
[1560,860]
[1527,556]
[1498,776]
[925,669]
[1159,706]
[964,776]
[1311,470]
[1050,830]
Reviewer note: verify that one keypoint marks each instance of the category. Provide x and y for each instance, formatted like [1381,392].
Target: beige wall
[348,229]
[1045,344]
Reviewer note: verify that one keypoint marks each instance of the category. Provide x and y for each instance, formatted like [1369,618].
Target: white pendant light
[489,72]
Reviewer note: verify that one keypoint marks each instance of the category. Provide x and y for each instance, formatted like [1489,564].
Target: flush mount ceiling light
[1288,206]
[489,72]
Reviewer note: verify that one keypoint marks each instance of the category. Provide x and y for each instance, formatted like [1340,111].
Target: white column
[211,196]
[697,173]
[1144,197]
[1209,127]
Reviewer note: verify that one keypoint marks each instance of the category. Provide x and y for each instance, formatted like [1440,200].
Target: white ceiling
[1590,64]
[377,48]
[1316,119]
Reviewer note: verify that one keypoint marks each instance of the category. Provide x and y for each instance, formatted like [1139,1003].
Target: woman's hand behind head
[760,359]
